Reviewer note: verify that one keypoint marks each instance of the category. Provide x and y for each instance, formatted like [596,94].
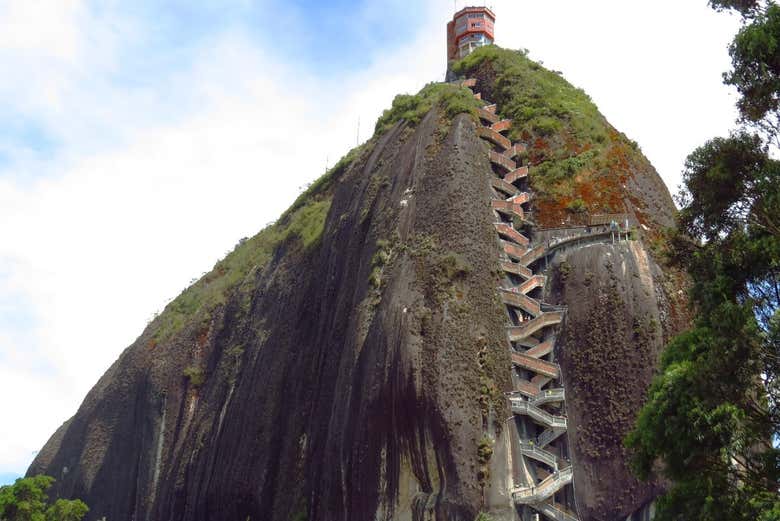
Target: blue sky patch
[8,478]
[20,134]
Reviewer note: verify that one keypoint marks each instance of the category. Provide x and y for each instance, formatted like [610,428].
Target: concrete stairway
[530,327]
[508,232]
[534,451]
[555,511]
[544,489]
[520,301]
[532,340]
[521,406]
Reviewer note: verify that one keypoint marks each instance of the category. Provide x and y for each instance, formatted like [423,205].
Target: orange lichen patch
[152,343]
[538,151]
[551,212]
[594,191]
[573,146]
[618,157]
[584,190]
[606,194]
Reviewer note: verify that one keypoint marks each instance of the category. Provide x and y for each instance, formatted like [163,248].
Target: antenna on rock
[357,143]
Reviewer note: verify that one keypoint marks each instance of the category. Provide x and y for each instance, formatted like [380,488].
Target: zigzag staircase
[542,475]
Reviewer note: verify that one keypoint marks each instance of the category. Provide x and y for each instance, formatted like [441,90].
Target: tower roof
[471,27]
[475,9]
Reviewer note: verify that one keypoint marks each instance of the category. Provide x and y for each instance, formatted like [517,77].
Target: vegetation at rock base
[26,500]
[413,107]
[712,420]
[575,153]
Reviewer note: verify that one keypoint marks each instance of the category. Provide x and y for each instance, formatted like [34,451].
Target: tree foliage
[746,7]
[755,54]
[26,500]
[712,413]
[712,422]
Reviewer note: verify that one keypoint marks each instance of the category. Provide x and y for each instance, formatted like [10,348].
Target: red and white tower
[470,28]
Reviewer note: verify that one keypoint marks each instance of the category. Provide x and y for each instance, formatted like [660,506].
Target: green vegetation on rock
[195,375]
[378,261]
[26,500]
[574,151]
[303,221]
[413,107]
[540,102]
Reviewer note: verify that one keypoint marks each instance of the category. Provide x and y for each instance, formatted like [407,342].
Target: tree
[755,57]
[711,424]
[712,413]
[26,500]
[746,7]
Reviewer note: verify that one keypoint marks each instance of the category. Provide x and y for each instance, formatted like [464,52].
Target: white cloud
[153,182]
[41,27]
[653,69]
[109,233]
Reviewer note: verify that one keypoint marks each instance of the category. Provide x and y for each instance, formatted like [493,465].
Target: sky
[139,141]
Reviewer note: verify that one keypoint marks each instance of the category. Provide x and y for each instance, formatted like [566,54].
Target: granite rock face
[336,391]
[355,366]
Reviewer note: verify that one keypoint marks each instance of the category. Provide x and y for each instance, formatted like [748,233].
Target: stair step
[503,186]
[527,388]
[540,380]
[534,254]
[555,511]
[516,150]
[521,198]
[540,350]
[502,126]
[537,281]
[516,173]
[534,364]
[508,232]
[516,269]
[508,208]
[490,117]
[520,301]
[514,251]
[494,137]
[530,327]
[544,489]
[504,162]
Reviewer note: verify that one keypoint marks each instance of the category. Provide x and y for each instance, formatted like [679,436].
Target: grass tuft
[411,108]
[195,375]
[575,152]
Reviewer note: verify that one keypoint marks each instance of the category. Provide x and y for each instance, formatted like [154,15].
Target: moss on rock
[579,160]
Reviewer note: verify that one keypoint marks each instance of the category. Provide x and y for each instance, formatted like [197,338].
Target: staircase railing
[546,488]
[520,406]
